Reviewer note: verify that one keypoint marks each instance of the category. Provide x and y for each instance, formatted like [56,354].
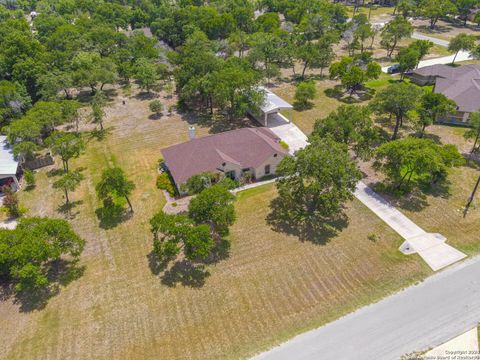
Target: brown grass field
[271,287]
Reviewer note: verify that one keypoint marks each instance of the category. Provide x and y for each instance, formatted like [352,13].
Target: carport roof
[8,164]
[273,103]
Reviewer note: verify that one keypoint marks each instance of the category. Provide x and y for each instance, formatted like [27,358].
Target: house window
[267,169]
[230,174]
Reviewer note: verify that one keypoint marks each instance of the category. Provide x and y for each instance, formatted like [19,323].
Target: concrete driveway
[443,306]
[288,132]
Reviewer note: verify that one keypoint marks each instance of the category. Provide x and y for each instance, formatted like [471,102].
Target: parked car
[395,68]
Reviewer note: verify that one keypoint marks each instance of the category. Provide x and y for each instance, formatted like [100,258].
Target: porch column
[265,118]
[14,177]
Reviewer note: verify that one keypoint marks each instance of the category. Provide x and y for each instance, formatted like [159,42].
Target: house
[255,152]
[460,84]
[8,165]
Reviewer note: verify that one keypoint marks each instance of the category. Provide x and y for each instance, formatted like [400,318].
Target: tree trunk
[409,178]
[304,68]
[397,126]
[402,180]
[129,203]
[475,143]
[394,45]
[101,125]
[453,61]
[423,130]
[67,200]
[472,196]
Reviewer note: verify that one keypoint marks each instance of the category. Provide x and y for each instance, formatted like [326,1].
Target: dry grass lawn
[271,287]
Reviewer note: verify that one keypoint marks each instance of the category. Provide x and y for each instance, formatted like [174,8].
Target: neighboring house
[235,153]
[8,165]
[460,84]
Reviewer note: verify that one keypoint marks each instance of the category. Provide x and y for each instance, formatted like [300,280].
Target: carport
[8,164]
[271,106]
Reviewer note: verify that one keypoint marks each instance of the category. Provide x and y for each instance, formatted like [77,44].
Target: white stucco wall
[273,162]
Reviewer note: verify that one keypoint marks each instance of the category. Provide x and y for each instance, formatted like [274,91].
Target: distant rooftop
[8,164]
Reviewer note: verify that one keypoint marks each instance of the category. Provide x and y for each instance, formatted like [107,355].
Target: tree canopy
[351,125]
[399,100]
[415,160]
[28,252]
[316,183]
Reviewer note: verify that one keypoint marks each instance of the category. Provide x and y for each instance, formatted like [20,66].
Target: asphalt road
[442,307]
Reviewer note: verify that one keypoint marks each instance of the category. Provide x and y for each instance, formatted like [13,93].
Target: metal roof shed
[272,104]
[8,164]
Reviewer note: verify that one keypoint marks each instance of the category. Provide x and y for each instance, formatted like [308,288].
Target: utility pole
[470,199]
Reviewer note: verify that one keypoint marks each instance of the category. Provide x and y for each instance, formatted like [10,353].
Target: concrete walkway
[431,247]
[416,319]
[467,343]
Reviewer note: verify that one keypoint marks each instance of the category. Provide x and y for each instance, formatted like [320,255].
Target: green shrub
[283,144]
[10,201]
[229,183]
[164,182]
[29,178]
[305,92]
[197,183]
[155,106]
[267,177]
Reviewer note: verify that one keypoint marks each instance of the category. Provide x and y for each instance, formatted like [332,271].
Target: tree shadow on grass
[299,106]
[112,215]
[438,29]
[218,123]
[414,198]
[66,209]
[338,92]
[144,95]
[185,273]
[60,274]
[99,135]
[55,172]
[155,116]
[316,230]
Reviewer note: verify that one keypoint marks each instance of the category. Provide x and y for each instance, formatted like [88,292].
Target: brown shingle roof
[246,147]
[461,84]
[463,87]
